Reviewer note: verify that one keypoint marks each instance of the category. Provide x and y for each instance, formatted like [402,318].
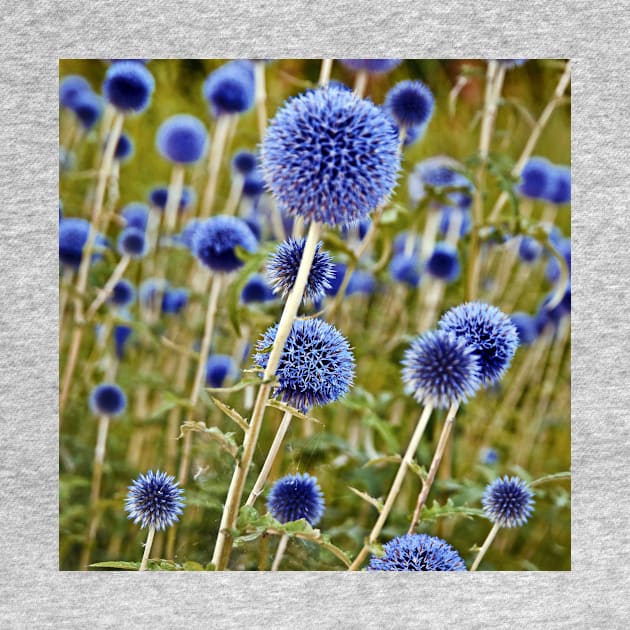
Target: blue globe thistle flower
[488,456]
[219,368]
[508,501]
[410,103]
[150,290]
[244,162]
[559,190]
[155,500]
[123,294]
[253,185]
[159,197]
[121,336]
[526,327]
[182,139]
[336,279]
[107,399]
[440,369]
[256,290]
[70,88]
[136,215]
[132,242]
[230,88]
[316,366]
[294,497]
[283,264]
[330,157]
[215,241]
[405,269]
[361,282]
[489,332]
[186,237]
[88,108]
[535,178]
[440,172]
[444,263]
[529,249]
[552,273]
[417,552]
[73,234]
[449,214]
[128,86]
[124,148]
[373,66]
[174,300]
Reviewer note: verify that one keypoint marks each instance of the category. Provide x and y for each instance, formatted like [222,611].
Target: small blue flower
[244,162]
[488,456]
[155,500]
[361,282]
[132,242]
[123,294]
[128,86]
[410,103]
[70,88]
[182,139]
[121,336]
[529,249]
[440,172]
[159,197]
[508,501]
[489,332]
[124,148]
[219,368]
[283,265]
[405,269]
[559,190]
[88,108]
[294,497]
[186,237]
[417,552]
[107,399]
[373,66]
[316,366]
[253,185]
[536,178]
[215,240]
[73,234]
[174,300]
[526,327]
[444,263]
[256,290]
[440,369]
[329,156]
[230,88]
[136,215]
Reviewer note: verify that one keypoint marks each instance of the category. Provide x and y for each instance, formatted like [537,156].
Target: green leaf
[191,565]
[449,509]
[278,404]
[225,440]
[336,245]
[117,564]
[234,415]
[366,497]
[561,476]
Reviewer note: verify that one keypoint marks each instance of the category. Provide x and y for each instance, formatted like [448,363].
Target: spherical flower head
[215,241]
[329,156]
[256,290]
[88,108]
[73,234]
[188,233]
[133,242]
[417,552]
[410,103]
[294,497]
[182,139]
[405,269]
[508,501]
[372,66]
[361,282]
[70,88]
[489,332]
[244,162]
[283,265]
[155,500]
[174,300]
[159,197]
[108,399]
[440,369]
[529,249]
[230,88]
[316,366]
[536,178]
[444,263]
[136,215]
[219,368]
[128,86]
[488,456]
[123,294]
[526,327]
[121,336]
[559,191]
[440,172]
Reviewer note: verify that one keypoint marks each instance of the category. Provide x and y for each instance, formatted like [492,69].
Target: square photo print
[314,315]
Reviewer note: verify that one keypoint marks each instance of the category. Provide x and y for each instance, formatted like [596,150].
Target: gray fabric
[34,35]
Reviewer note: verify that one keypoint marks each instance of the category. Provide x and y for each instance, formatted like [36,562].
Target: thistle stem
[260,97]
[435,464]
[173,198]
[395,487]
[282,547]
[236,189]
[360,83]
[486,545]
[214,163]
[147,549]
[106,291]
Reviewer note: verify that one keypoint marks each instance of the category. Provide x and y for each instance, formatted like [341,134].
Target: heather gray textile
[35,34]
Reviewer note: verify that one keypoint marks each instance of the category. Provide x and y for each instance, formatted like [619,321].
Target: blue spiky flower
[107,399]
[283,265]
[174,300]
[508,501]
[440,369]
[417,552]
[373,66]
[489,331]
[128,86]
[329,156]
[316,366]
[215,241]
[133,242]
[155,500]
[294,497]
[123,294]
[219,368]
[444,262]
[244,162]
[536,178]
[410,103]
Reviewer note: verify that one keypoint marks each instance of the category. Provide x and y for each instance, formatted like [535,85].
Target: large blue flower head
[155,500]
[489,332]
[536,178]
[256,290]
[440,369]
[73,234]
[107,399]
[230,88]
[283,265]
[136,215]
[405,269]
[123,294]
[219,368]
[215,241]
[410,104]
[70,88]
[133,242]
[316,366]
[559,190]
[417,552]
[88,108]
[158,197]
[128,86]
[329,156]
[294,497]
[373,66]
[444,263]
[182,139]
[508,501]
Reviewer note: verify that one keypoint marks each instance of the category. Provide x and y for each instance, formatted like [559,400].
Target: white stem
[106,291]
[429,235]
[282,546]
[486,545]
[147,549]
[173,199]
[260,97]
[214,163]
[235,194]
[456,218]
[360,83]
[324,73]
